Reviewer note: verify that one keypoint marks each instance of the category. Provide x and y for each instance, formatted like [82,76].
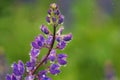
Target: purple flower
[52,55]
[39,42]
[8,77]
[30,65]
[58,38]
[49,12]
[62,59]
[52,42]
[30,77]
[48,19]
[54,69]
[49,40]
[34,53]
[57,12]
[54,19]
[67,37]
[61,19]
[42,74]
[61,45]
[13,77]
[44,29]
[18,69]
[45,78]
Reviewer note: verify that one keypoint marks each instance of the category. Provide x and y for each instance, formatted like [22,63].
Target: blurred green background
[95,25]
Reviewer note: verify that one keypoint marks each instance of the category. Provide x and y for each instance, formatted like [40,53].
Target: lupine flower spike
[30,70]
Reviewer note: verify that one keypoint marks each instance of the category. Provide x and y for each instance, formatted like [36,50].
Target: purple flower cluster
[31,69]
[18,71]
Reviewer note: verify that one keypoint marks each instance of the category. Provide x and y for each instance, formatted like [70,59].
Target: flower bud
[54,69]
[62,59]
[18,69]
[8,77]
[67,37]
[53,6]
[61,19]
[44,29]
[57,12]
[48,19]
[52,55]
[53,19]
[58,38]
[61,45]
[49,12]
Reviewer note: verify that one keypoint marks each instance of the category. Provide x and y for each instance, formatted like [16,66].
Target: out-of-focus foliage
[96,34]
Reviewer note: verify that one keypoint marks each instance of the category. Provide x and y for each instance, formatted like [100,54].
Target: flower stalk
[56,19]
[52,44]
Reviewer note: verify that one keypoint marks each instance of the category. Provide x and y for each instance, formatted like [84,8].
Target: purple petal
[62,62]
[61,45]
[41,38]
[54,69]
[15,70]
[62,59]
[30,77]
[67,37]
[35,45]
[48,19]
[49,40]
[40,44]
[8,77]
[14,78]
[44,29]
[49,12]
[57,12]
[18,69]
[52,55]
[30,65]
[46,78]
[54,19]
[58,38]
[62,55]
[54,66]
[54,72]
[21,67]
[61,19]
[42,73]
[34,52]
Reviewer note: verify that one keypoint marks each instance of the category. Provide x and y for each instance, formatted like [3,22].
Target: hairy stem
[52,44]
